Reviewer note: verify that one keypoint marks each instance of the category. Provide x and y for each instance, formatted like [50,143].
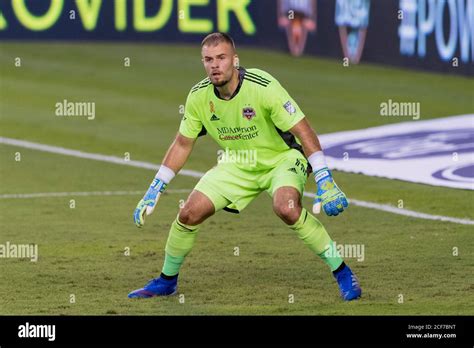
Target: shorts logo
[289,107]
[248,113]
[293,170]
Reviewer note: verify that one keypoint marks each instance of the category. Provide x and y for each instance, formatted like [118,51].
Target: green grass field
[82,250]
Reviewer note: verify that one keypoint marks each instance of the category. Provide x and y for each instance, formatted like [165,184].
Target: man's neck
[227,91]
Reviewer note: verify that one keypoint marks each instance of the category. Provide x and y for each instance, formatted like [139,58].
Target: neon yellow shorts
[232,188]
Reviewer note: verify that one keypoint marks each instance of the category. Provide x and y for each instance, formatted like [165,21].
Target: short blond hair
[216,38]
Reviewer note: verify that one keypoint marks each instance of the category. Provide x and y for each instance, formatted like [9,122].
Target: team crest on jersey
[248,112]
[289,107]
[211,107]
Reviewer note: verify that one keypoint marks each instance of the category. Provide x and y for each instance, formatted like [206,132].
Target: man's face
[219,62]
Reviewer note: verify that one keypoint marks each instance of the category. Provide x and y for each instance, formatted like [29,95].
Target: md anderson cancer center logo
[237,133]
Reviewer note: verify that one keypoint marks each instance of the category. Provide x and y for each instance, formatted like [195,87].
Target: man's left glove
[148,202]
[328,194]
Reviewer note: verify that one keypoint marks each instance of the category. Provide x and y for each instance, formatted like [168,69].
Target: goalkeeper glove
[328,194]
[148,203]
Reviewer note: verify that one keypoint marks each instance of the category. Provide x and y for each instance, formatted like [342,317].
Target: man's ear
[236,62]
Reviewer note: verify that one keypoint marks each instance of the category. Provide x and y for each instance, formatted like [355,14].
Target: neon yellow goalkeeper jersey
[256,119]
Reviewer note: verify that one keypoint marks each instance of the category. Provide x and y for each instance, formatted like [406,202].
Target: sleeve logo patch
[289,107]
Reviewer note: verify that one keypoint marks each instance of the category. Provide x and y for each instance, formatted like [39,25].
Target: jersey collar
[242,72]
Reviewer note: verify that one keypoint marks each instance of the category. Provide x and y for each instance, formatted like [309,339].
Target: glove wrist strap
[165,174]
[321,174]
[317,161]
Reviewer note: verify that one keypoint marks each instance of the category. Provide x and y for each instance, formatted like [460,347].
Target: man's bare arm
[175,158]
[328,195]
[307,136]
[178,153]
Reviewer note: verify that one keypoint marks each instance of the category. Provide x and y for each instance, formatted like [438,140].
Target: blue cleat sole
[156,287]
[150,295]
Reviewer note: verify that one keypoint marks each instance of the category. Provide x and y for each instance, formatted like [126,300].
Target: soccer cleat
[349,286]
[156,287]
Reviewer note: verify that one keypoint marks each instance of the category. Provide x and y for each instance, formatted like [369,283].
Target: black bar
[224,330]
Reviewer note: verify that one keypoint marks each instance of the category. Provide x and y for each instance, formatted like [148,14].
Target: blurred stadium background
[69,183]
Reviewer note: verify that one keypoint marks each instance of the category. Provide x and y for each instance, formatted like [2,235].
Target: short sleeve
[284,111]
[191,126]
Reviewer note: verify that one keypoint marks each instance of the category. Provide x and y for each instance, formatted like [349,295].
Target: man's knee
[287,204]
[189,216]
[288,212]
[196,209]
[185,216]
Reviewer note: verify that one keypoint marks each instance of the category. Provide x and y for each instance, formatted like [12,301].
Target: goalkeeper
[246,110]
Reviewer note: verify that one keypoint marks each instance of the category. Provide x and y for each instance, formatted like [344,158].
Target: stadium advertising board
[426,34]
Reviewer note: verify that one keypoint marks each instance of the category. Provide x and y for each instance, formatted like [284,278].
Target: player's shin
[314,235]
[180,242]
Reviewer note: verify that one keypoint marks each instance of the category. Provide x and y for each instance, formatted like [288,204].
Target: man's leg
[287,205]
[184,228]
[181,238]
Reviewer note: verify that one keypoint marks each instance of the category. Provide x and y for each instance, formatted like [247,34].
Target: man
[245,110]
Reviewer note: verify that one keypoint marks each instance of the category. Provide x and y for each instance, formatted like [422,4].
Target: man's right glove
[148,202]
